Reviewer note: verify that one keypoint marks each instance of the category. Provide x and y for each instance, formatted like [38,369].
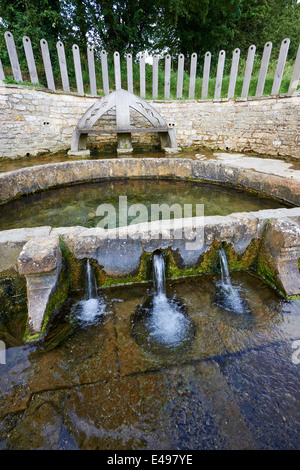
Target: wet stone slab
[93,385]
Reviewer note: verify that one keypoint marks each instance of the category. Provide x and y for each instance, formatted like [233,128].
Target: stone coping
[279,182]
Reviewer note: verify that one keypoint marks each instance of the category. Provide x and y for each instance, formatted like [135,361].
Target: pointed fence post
[117,71]
[248,70]
[30,60]
[129,73]
[206,70]
[219,79]
[92,72]
[2,76]
[78,71]
[263,69]
[63,66]
[104,72]
[142,76]
[13,56]
[296,73]
[193,71]
[280,66]
[233,72]
[180,75]
[167,75]
[155,77]
[47,64]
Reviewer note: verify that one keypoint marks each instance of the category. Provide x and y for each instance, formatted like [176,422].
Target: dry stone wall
[34,121]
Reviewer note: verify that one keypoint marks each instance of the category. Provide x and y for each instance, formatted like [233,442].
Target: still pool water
[99,381]
[77,205]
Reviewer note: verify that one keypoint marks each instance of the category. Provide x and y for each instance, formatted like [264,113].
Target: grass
[173,80]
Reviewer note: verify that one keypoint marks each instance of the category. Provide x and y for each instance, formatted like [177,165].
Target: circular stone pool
[78,204]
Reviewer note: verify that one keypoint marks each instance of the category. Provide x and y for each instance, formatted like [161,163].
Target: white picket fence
[16,70]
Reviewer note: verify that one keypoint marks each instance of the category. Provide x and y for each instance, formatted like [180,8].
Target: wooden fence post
[206,70]
[92,72]
[2,76]
[263,68]
[219,78]
[129,73]
[193,71]
[296,73]
[167,75]
[155,77]
[47,64]
[63,66]
[104,72]
[142,76]
[280,66]
[233,72]
[248,70]
[117,66]
[78,71]
[30,60]
[13,56]
[180,75]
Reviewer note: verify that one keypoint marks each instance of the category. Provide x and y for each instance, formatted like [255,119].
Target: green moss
[143,274]
[58,296]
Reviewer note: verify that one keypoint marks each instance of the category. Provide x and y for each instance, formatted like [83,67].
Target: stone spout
[40,261]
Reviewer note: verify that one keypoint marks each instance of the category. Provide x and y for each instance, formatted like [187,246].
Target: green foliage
[174,26]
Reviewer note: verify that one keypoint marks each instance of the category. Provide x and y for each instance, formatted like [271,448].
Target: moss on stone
[60,293]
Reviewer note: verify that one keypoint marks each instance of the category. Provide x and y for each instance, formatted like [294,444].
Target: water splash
[92,306]
[167,324]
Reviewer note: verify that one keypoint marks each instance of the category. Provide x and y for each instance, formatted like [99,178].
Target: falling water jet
[161,324]
[92,306]
[228,298]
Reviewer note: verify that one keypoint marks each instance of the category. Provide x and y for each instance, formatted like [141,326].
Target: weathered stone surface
[238,125]
[12,242]
[284,183]
[39,289]
[282,251]
[40,255]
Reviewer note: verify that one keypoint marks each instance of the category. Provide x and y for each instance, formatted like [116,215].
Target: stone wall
[34,120]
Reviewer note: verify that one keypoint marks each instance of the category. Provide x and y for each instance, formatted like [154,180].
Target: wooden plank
[30,60]
[13,56]
[248,70]
[142,76]
[117,67]
[155,77]
[219,78]
[263,69]
[129,73]
[78,71]
[180,75]
[2,76]
[104,68]
[296,73]
[47,64]
[92,72]
[193,71]
[125,130]
[233,72]
[167,76]
[280,66]
[205,82]
[63,66]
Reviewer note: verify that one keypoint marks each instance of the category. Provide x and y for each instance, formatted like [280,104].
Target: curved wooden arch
[122,100]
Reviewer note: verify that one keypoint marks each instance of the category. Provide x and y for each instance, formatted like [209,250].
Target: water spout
[91,289]
[159,274]
[229,298]
[92,306]
[167,323]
